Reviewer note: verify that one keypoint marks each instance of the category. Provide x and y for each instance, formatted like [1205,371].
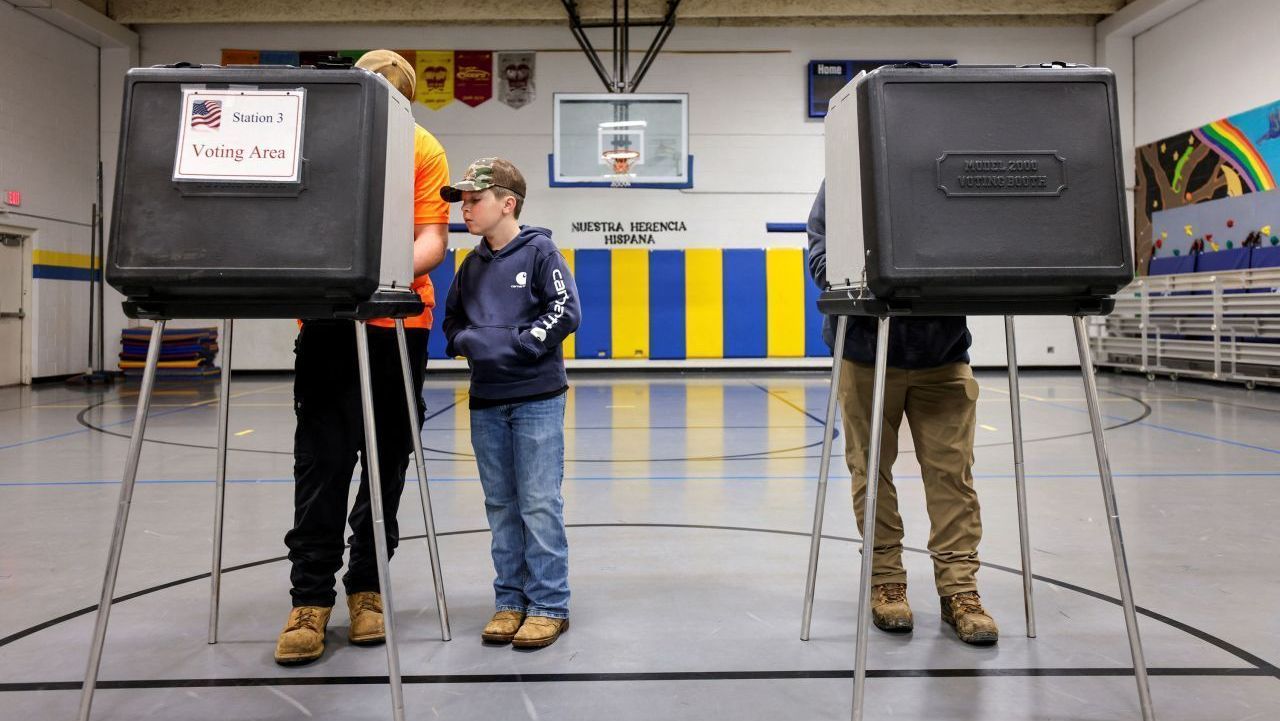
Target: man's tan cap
[392,66]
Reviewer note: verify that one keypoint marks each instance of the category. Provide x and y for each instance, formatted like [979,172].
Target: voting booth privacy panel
[261,186]
[974,190]
[977,183]
[266,192]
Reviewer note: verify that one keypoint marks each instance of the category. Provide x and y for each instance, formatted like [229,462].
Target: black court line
[785,401]
[1146,412]
[495,678]
[1230,404]
[1260,667]
[81,418]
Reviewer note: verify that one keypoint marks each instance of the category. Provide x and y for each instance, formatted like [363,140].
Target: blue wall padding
[1172,264]
[1266,257]
[1233,259]
[441,279]
[593,273]
[666,305]
[814,347]
[745,315]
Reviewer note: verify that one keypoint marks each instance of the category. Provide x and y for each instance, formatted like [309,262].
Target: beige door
[11,310]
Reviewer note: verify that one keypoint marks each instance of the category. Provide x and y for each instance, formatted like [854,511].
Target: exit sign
[13,197]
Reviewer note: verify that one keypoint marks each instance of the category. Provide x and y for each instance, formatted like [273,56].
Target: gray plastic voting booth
[265,192]
[973,190]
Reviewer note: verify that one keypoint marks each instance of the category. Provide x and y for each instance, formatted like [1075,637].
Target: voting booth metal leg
[424,492]
[122,520]
[1020,475]
[869,514]
[220,481]
[1113,521]
[824,467]
[378,520]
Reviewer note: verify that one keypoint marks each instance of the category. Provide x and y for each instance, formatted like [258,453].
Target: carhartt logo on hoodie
[522,279]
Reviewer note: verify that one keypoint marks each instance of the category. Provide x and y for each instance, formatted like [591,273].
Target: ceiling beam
[692,12]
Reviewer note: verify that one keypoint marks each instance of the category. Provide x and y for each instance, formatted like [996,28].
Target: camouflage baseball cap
[483,174]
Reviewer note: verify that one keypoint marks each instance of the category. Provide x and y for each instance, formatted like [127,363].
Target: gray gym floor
[689,500]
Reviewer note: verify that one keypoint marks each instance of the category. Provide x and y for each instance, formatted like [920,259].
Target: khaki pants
[941,409]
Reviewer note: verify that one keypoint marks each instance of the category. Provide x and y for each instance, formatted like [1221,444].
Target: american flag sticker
[206,114]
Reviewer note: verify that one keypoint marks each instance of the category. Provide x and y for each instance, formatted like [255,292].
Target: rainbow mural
[1237,150]
[1234,158]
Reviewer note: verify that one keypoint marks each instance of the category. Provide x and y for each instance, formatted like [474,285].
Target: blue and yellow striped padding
[54,265]
[678,304]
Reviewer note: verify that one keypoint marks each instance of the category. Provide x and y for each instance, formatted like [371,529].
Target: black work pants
[326,444]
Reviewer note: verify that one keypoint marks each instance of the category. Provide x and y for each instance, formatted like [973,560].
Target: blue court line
[1179,431]
[106,425]
[41,440]
[469,479]
[1205,436]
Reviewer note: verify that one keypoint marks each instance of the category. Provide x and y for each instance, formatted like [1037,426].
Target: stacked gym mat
[184,352]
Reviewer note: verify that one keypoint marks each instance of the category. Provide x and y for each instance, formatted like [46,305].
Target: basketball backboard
[603,139]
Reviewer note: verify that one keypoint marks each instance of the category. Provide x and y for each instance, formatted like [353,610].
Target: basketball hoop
[621,159]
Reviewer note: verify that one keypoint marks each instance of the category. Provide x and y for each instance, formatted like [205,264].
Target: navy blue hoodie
[913,342]
[508,313]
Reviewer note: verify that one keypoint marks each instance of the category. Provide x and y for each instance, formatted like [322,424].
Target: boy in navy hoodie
[512,303]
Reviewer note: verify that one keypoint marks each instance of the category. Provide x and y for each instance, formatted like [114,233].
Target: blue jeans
[520,453]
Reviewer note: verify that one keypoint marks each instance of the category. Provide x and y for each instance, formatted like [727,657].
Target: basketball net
[621,162]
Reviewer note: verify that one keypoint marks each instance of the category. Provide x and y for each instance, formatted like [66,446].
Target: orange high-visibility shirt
[431,173]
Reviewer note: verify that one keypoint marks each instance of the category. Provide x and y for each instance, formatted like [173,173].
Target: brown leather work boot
[539,631]
[964,611]
[502,627]
[365,609]
[889,608]
[302,639]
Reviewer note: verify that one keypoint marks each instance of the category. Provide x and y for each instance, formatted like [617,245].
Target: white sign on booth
[240,135]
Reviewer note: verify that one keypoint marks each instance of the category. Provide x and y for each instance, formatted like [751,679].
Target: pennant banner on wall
[443,75]
[515,78]
[435,78]
[355,55]
[311,57]
[409,55]
[240,57]
[279,57]
[473,76]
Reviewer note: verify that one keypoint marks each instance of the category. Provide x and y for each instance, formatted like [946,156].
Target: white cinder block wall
[758,159]
[1177,87]
[49,151]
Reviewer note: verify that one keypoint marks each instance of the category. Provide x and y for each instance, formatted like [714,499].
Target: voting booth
[974,190]
[266,192]
[987,187]
[261,192]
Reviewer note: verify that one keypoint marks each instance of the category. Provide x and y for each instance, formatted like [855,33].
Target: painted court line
[472,479]
[129,421]
[1058,403]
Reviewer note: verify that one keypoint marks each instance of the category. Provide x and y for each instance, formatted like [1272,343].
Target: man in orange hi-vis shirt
[330,434]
